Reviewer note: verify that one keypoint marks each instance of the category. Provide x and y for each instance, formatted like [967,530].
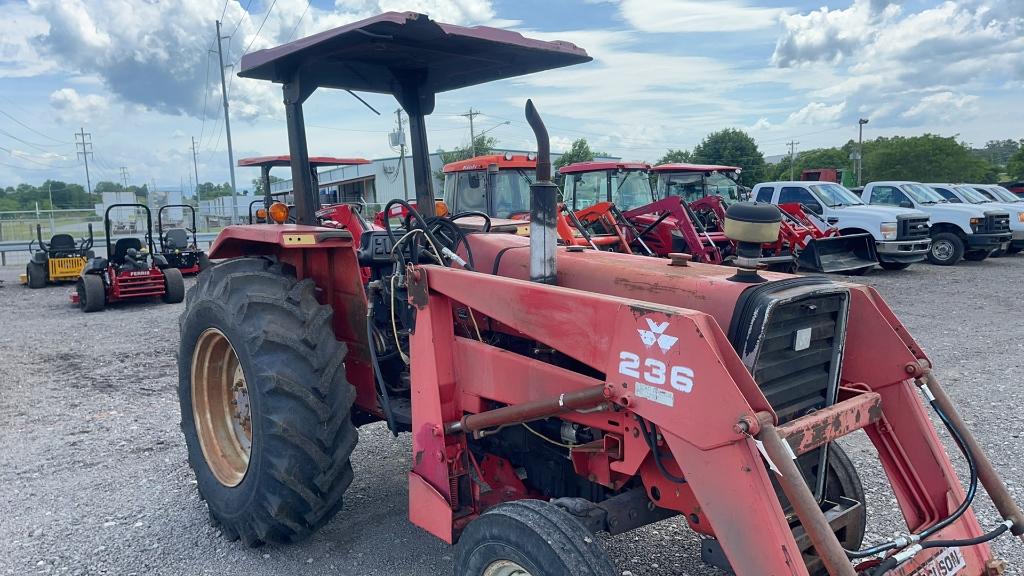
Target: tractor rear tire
[281,342]
[37,275]
[894,265]
[174,286]
[92,295]
[530,537]
[204,261]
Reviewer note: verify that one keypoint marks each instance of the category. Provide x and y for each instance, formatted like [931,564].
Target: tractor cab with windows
[259,209]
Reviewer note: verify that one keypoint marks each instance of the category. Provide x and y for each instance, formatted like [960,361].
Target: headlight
[888,230]
[975,222]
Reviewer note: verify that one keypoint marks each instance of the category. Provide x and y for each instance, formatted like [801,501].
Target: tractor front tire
[37,275]
[843,481]
[174,286]
[92,295]
[253,335]
[530,537]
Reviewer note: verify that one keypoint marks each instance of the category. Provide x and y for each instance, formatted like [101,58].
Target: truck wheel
[843,481]
[529,538]
[977,255]
[265,406]
[894,265]
[92,295]
[947,249]
[37,274]
[174,286]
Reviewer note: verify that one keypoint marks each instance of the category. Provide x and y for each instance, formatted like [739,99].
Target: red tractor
[550,393]
[132,270]
[261,215]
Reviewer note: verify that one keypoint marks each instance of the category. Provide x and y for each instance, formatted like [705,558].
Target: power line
[258,30]
[225,10]
[245,13]
[299,21]
[31,129]
[206,91]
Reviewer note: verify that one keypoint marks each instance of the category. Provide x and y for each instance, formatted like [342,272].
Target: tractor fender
[271,239]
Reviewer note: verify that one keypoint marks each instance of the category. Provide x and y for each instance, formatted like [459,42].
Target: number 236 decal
[655,372]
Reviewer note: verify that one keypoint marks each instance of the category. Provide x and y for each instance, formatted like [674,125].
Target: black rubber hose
[651,436]
[381,387]
[990,535]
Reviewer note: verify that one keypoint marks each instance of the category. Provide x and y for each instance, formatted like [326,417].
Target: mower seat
[176,239]
[122,247]
[62,244]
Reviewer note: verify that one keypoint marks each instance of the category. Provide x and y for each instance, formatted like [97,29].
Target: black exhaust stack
[543,206]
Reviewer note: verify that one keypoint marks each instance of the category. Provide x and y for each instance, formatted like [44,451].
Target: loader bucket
[839,254]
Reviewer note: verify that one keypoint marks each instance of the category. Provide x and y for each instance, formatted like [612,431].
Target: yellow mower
[59,260]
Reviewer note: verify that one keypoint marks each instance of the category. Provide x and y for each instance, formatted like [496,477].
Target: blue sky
[138,76]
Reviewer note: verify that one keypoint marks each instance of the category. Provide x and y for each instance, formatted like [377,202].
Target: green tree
[673,156]
[483,145]
[257,184]
[209,190]
[732,147]
[926,158]
[579,152]
[1015,165]
[999,152]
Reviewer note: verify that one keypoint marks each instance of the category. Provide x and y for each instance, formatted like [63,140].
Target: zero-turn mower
[59,260]
[177,248]
[131,270]
[551,393]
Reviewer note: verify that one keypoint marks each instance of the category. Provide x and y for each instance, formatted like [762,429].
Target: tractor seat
[121,249]
[63,243]
[176,239]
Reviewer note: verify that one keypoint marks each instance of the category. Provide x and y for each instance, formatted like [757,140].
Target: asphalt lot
[93,477]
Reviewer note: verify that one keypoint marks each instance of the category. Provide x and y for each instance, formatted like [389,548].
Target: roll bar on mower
[392,62]
[149,225]
[160,223]
[84,244]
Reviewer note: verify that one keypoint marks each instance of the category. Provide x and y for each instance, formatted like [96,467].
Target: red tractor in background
[707,190]
[499,185]
[550,393]
[131,270]
[261,215]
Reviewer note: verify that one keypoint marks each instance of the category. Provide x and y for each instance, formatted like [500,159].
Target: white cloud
[18,55]
[676,16]
[817,113]
[944,105]
[70,105]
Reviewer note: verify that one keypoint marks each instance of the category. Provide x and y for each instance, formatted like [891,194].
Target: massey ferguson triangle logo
[656,335]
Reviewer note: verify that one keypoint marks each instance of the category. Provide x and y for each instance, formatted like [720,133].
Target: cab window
[888,196]
[800,196]
[947,194]
[588,189]
[631,189]
[470,192]
[765,194]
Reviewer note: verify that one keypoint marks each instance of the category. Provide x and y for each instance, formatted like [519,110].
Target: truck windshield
[972,195]
[833,195]
[692,186]
[922,194]
[1004,195]
[631,189]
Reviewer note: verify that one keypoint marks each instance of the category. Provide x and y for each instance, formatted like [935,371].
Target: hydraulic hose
[896,559]
[381,387]
[651,436]
[972,491]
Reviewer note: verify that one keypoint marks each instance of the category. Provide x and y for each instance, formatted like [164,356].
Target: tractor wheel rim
[942,250]
[220,408]
[505,568]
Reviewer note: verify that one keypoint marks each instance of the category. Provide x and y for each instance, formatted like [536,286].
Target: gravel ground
[93,477]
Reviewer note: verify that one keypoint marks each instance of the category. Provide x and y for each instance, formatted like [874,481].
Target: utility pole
[124,176]
[860,148]
[227,129]
[84,139]
[401,151]
[472,135]
[792,157]
[49,191]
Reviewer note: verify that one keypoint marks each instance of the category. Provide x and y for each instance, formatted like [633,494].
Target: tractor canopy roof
[680,167]
[286,161]
[600,166]
[504,161]
[381,53]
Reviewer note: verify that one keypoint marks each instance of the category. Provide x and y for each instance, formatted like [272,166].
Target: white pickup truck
[901,235]
[957,230]
[1004,199]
